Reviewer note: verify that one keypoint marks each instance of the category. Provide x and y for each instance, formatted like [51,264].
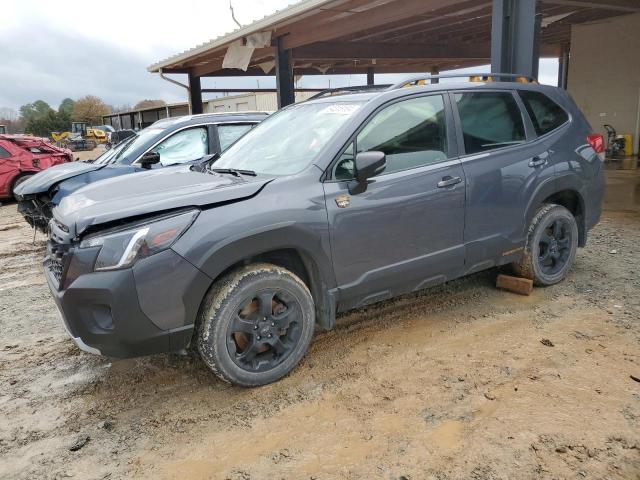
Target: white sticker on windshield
[341,108]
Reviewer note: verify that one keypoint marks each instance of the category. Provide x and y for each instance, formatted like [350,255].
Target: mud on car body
[327,205]
[170,141]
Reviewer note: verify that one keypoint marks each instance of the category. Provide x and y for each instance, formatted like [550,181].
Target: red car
[22,156]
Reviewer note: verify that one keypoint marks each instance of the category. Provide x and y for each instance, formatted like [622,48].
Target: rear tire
[255,325]
[551,246]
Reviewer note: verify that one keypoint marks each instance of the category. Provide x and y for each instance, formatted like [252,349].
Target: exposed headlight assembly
[122,247]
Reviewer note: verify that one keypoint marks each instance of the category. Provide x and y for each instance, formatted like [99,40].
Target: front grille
[54,265]
[57,258]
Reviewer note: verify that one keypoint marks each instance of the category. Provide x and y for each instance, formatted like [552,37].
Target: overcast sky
[52,50]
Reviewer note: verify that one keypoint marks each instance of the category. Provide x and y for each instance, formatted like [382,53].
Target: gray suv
[327,205]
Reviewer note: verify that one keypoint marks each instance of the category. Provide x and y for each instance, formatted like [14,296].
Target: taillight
[597,142]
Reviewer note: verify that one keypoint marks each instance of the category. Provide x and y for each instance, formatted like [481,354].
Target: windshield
[108,155]
[131,144]
[289,140]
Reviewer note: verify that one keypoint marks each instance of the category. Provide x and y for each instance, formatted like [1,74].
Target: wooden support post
[195,95]
[522,286]
[284,76]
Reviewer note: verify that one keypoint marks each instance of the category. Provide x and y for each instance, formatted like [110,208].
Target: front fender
[228,235]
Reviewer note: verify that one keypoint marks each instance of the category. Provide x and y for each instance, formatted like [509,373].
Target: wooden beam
[253,90]
[357,22]
[451,14]
[367,50]
[206,65]
[602,5]
[522,286]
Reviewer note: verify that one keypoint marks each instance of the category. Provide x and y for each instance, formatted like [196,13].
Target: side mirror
[367,165]
[148,159]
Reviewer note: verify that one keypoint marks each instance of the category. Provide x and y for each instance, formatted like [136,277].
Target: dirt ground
[458,382]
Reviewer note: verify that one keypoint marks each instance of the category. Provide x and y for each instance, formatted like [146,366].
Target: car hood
[44,180]
[150,192]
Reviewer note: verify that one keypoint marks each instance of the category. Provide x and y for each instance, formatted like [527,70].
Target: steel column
[514,37]
[195,95]
[284,76]
[370,76]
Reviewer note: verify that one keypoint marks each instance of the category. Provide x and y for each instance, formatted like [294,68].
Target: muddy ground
[458,382]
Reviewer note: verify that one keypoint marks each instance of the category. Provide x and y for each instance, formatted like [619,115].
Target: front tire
[255,325]
[18,181]
[551,247]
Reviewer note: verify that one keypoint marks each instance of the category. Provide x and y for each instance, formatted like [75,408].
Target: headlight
[121,247]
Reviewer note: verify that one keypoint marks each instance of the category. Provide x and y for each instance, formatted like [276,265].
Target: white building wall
[260,101]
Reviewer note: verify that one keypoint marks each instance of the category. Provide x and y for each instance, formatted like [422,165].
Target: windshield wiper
[234,171]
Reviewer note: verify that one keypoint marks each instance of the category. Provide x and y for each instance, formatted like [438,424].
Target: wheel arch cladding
[565,192]
[287,247]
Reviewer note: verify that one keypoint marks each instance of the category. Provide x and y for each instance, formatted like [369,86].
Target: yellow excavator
[80,137]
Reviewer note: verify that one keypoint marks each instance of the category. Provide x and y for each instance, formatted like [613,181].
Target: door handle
[538,161]
[448,181]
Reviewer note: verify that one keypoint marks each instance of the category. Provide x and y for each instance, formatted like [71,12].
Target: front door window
[185,146]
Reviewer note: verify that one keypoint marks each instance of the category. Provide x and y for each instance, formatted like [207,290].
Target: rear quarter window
[546,115]
[4,153]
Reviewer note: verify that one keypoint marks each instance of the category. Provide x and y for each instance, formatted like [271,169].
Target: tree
[40,119]
[149,104]
[35,110]
[89,109]
[66,107]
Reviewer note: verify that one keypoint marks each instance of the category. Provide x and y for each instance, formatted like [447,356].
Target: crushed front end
[36,210]
[121,312]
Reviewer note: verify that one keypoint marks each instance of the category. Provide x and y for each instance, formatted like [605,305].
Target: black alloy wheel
[255,324]
[265,330]
[555,246]
[552,243]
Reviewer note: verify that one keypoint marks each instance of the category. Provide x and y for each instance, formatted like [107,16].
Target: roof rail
[473,77]
[344,90]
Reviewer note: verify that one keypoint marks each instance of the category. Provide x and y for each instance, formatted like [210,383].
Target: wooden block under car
[522,286]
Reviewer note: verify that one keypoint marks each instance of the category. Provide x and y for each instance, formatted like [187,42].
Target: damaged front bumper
[36,211]
[125,313]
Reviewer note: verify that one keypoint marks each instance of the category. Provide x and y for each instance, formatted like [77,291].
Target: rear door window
[4,153]
[489,120]
[546,115]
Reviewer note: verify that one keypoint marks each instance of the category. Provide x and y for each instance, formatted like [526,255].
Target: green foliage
[40,119]
[66,107]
